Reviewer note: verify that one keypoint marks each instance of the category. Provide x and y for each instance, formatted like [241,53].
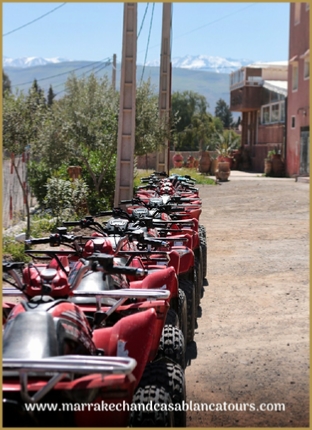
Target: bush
[66,198]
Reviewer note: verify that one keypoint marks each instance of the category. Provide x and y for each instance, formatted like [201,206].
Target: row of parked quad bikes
[107,314]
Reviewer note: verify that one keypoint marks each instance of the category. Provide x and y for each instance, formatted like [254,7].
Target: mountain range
[206,75]
[191,62]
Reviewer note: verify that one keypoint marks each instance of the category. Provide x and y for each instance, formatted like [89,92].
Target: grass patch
[200,178]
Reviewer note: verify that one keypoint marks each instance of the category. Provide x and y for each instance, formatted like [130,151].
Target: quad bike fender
[159,279]
[187,258]
[132,336]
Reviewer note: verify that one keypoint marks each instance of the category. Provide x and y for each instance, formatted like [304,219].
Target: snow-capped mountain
[206,63]
[30,61]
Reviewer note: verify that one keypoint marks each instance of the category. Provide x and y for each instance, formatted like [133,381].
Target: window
[275,112]
[295,75]
[283,112]
[297,7]
[306,68]
[307,6]
[293,122]
[265,114]
[272,113]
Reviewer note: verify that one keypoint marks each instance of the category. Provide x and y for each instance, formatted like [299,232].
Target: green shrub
[13,250]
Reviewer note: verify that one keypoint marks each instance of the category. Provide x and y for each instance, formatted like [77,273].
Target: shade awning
[279,87]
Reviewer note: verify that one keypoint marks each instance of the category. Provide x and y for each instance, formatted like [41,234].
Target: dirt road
[253,337]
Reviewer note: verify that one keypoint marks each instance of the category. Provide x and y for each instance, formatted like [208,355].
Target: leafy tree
[87,126]
[6,83]
[196,126]
[223,112]
[150,129]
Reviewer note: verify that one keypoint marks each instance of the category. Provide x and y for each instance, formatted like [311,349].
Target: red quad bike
[51,354]
[120,232]
[165,216]
[184,193]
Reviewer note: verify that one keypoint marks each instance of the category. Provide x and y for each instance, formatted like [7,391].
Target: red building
[259,92]
[298,105]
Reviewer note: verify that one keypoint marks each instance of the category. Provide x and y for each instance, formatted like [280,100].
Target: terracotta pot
[213,166]
[204,162]
[178,160]
[190,162]
[178,163]
[223,172]
[277,167]
[267,166]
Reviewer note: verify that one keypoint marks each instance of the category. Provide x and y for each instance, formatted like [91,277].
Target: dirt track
[253,337]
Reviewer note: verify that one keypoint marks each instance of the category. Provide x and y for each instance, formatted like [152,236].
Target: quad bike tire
[189,290]
[199,281]
[172,345]
[182,314]
[171,377]
[172,318]
[151,418]
[179,318]
[203,245]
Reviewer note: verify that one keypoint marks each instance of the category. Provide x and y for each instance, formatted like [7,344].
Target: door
[304,151]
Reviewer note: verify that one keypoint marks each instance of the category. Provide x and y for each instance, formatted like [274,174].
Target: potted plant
[190,162]
[225,144]
[178,159]
[274,153]
[277,165]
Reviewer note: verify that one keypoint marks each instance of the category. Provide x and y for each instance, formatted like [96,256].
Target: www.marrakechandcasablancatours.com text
[153,406]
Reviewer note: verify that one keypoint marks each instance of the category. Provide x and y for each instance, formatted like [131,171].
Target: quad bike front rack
[63,367]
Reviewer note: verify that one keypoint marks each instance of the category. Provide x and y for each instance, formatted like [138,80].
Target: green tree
[223,112]
[6,83]
[150,129]
[195,125]
[87,119]
[51,96]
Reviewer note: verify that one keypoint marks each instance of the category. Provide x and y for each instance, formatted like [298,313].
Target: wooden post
[126,124]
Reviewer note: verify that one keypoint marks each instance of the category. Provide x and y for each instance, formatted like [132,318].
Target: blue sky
[93,31]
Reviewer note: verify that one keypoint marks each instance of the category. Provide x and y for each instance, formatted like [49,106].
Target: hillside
[212,85]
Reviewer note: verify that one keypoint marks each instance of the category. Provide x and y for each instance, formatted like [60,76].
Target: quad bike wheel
[182,314]
[172,345]
[189,290]
[169,376]
[152,418]
[198,280]
[172,318]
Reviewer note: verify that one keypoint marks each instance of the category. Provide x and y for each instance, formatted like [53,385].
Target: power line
[148,40]
[65,73]
[143,19]
[101,67]
[209,23]
[216,20]
[34,20]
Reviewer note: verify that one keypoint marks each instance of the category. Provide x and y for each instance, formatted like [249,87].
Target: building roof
[279,87]
[273,64]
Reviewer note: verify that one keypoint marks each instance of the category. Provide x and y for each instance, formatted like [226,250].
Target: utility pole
[114,72]
[126,121]
[162,156]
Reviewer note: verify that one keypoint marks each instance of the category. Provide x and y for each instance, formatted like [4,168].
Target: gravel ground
[253,336]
